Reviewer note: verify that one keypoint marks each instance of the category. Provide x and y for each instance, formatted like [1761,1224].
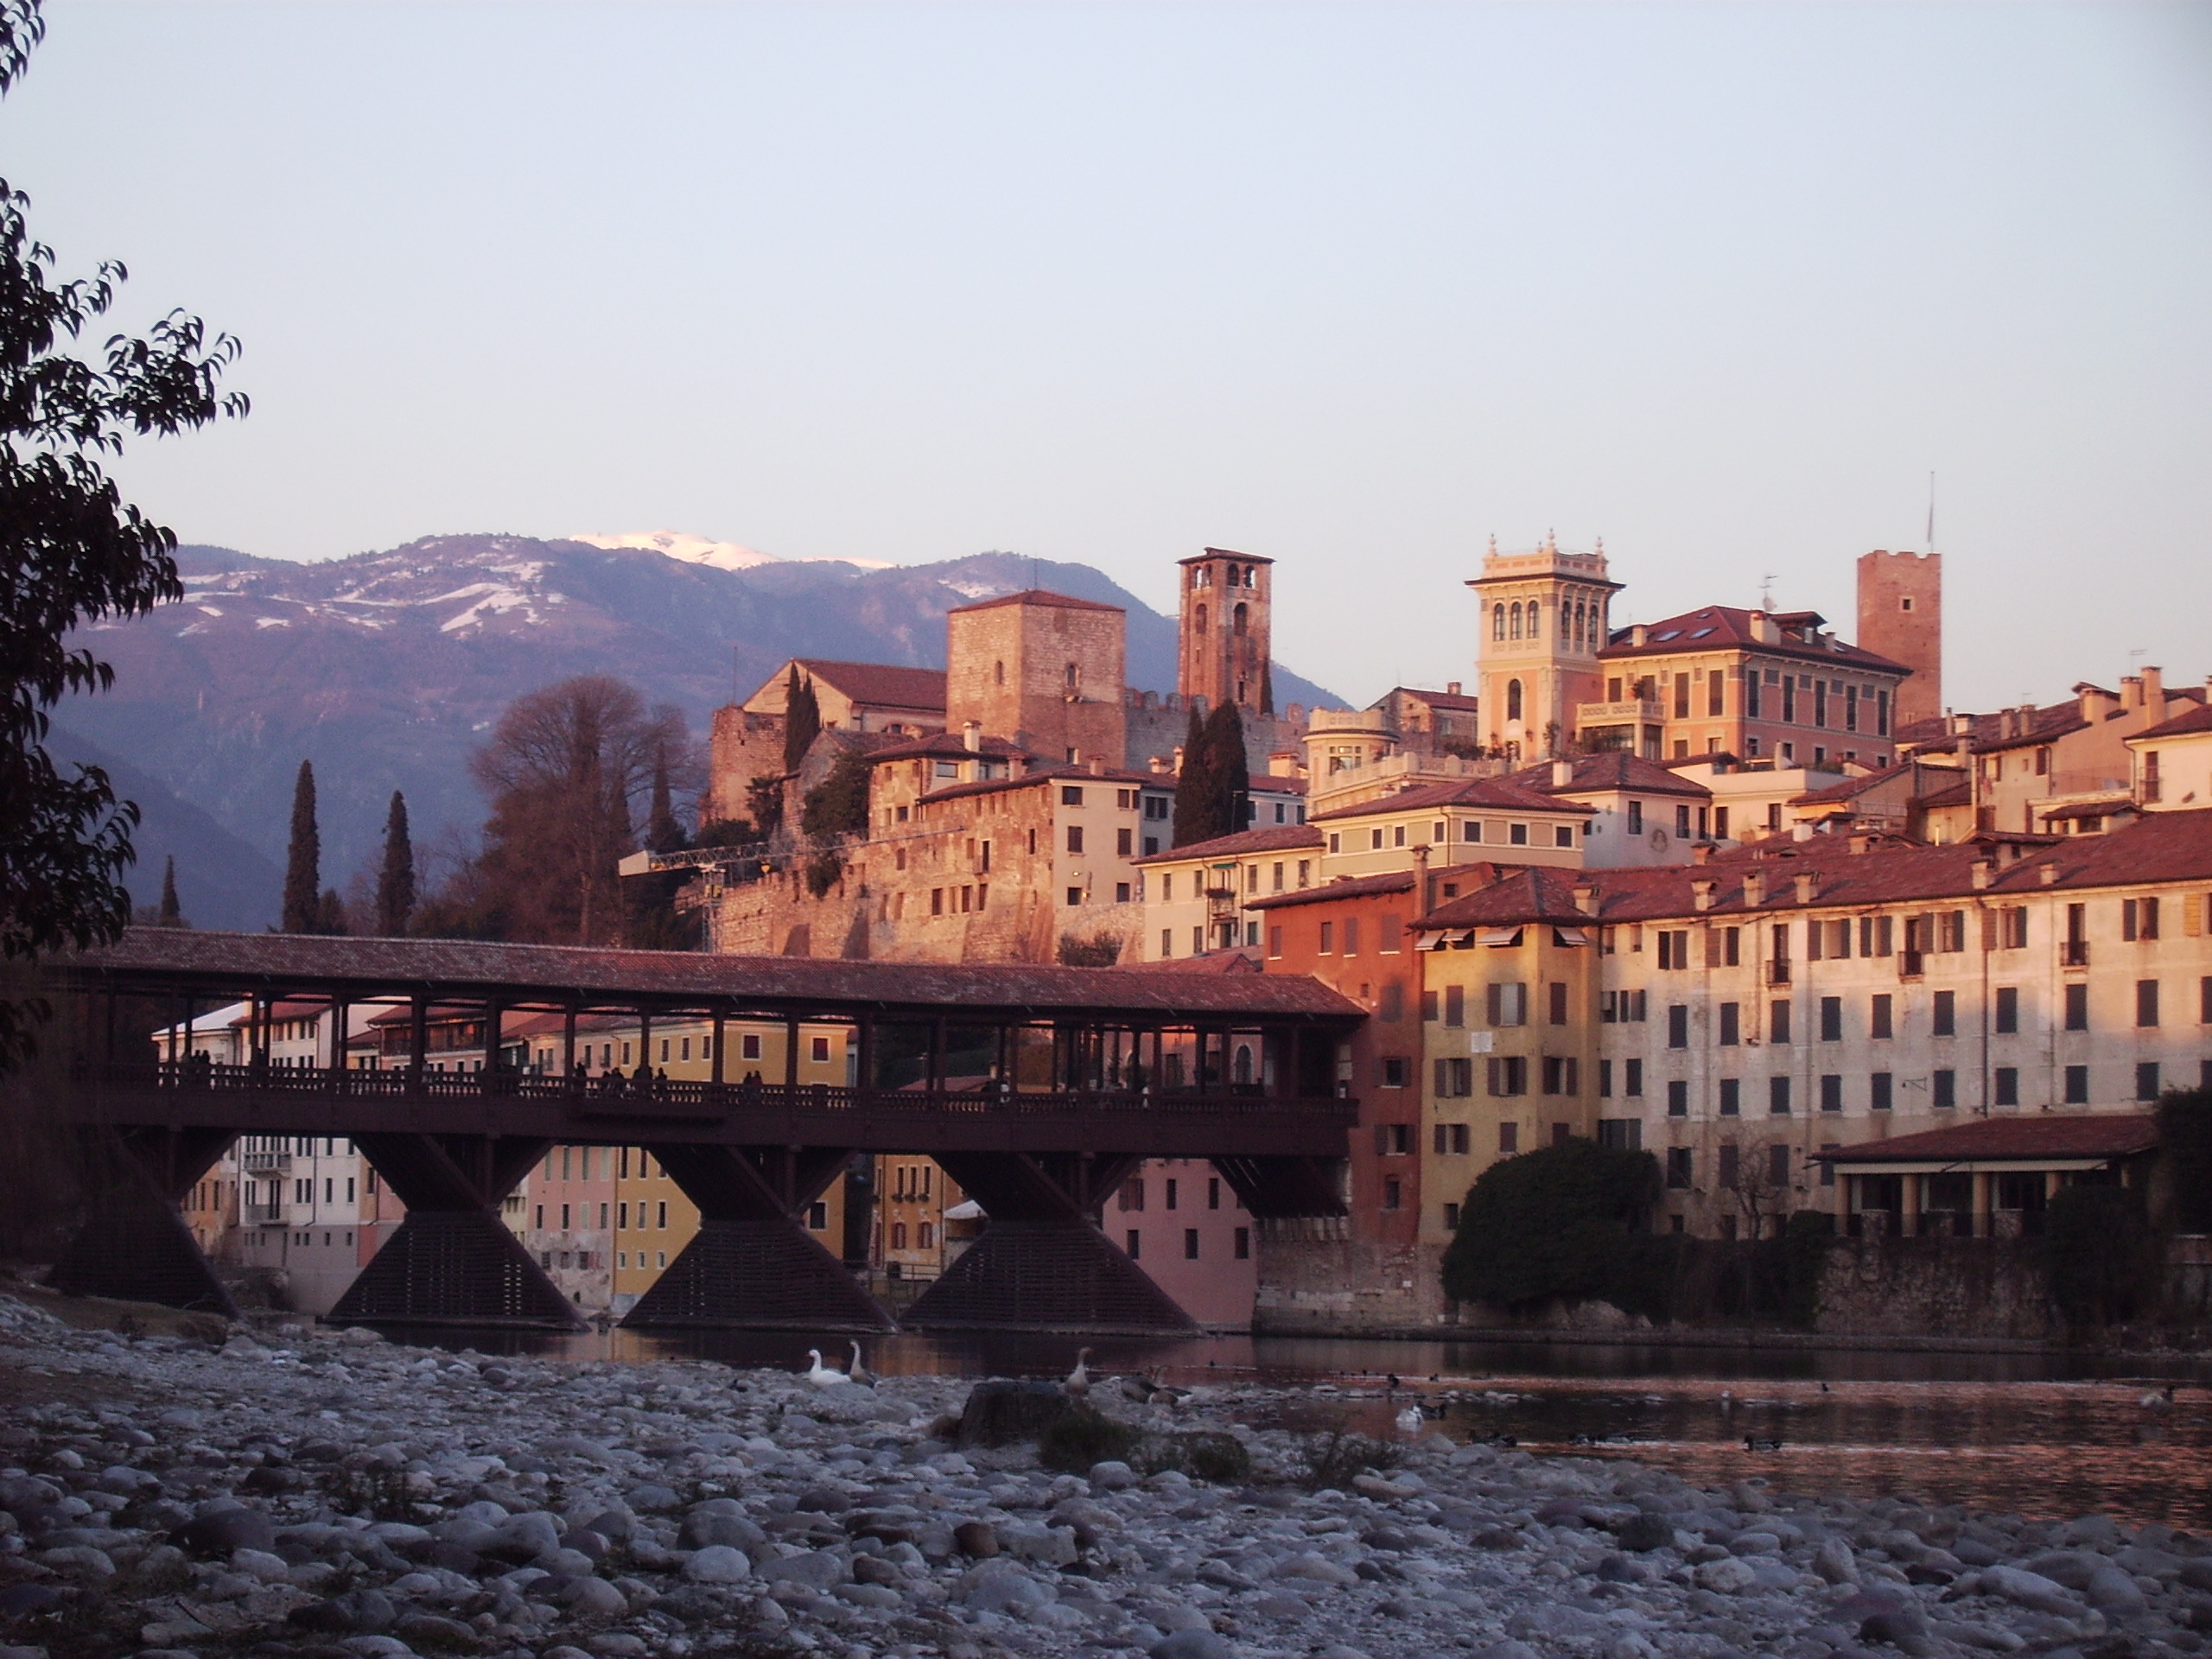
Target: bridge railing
[614,1095]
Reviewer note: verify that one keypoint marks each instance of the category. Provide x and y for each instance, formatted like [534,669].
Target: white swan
[1077,1386]
[857,1372]
[822,1376]
[1410,1421]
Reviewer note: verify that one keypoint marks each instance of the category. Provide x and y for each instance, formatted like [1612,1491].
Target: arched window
[1239,619]
[1581,623]
[1232,575]
[1498,621]
[1532,618]
[1513,699]
[1517,619]
[1243,1072]
[1198,620]
[998,673]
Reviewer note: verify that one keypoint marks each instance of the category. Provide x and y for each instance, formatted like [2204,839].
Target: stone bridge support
[1042,1261]
[752,1263]
[452,1260]
[134,1246]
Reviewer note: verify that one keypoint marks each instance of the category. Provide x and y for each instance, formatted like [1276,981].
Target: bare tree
[568,769]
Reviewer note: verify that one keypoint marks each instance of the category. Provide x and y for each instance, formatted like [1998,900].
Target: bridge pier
[134,1245]
[1042,1261]
[452,1260]
[753,1264]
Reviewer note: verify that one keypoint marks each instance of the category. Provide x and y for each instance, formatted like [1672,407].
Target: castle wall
[1044,672]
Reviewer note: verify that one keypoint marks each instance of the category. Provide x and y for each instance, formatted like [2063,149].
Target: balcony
[1617,714]
[2074,953]
[1777,973]
[265,1163]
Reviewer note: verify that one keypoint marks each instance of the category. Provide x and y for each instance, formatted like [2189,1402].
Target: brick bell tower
[1226,637]
[1901,617]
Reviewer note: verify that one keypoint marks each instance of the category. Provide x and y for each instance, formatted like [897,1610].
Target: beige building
[1542,626]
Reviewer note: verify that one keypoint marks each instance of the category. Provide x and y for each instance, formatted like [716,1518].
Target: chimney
[1160,763]
[1639,637]
[2050,874]
[1702,853]
[1562,773]
[2131,691]
[1097,765]
[971,737]
[1179,760]
[1983,872]
[1701,893]
[2154,691]
[1801,832]
[1451,688]
[1586,901]
[1807,886]
[1861,843]
[1754,888]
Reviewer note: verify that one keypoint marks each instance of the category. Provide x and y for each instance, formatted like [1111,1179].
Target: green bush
[824,871]
[1083,1438]
[837,806]
[2185,1147]
[1564,1221]
[1805,1243]
[1217,1459]
[2101,1255]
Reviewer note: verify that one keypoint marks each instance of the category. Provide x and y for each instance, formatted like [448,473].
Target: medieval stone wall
[1316,1279]
[1885,1287]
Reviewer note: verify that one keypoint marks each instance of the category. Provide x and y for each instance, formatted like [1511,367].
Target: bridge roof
[182,961]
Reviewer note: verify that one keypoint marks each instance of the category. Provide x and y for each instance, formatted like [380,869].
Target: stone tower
[1901,617]
[1226,635]
[1041,669]
[1543,623]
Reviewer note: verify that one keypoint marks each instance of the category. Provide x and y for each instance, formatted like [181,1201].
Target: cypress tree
[662,833]
[302,863]
[1194,786]
[1230,773]
[802,719]
[330,914]
[169,916]
[395,881]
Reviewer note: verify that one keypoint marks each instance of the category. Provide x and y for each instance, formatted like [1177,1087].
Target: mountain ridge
[385,668]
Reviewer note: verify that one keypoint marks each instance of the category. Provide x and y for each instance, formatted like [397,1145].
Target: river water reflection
[2035,1434]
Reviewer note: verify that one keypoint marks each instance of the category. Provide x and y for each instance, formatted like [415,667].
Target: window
[1636,817]
[1454,1080]
[1632,1078]
[2146,1080]
[1881,1021]
[1071,795]
[1174,1188]
[1943,1021]
[1394,1067]
[1831,1018]
[1777,1021]
[1876,936]
[1679,1168]
[1563,836]
[1558,999]
[1509,1139]
[2077,1085]
[1729,1159]
[1517,833]
[1777,1096]
[1561,1075]
[1621,1134]
[1509,1074]
[1681,824]
[2146,1003]
[1393,1192]
[1732,1097]
[2007,1081]
[1879,1097]
[1674,948]
[1137,1245]
[1508,1003]
[1455,1004]
[1943,1090]
[1189,1244]
[1831,1092]
[1604,1079]
[1352,936]
[1075,837]
[1678,1025]
[1678,1098]
[2139,918]
[2008,1009]
[1731,1024]
[1124,844]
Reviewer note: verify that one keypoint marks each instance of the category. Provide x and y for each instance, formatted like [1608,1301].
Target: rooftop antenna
[1766,591]
[1931,512]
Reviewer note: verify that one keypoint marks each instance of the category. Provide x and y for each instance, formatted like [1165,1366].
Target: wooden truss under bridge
[1040,1089]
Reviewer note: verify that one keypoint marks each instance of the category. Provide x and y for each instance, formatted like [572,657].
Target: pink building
[1182,1224]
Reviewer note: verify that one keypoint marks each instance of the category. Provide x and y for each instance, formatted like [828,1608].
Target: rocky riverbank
[322,1495]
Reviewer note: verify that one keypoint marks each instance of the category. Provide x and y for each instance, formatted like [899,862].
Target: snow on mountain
[699,550]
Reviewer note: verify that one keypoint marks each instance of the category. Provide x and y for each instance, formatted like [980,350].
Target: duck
[857,1372]
[1409,1421]
[1762,1443]
[1139,1388]
[822,1376]
[2158,1399]
[1077,1385]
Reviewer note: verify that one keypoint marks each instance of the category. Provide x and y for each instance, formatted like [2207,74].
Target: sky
[1357,287]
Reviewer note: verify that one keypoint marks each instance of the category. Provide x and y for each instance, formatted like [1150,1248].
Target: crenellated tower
[1543,623]
[1226,633]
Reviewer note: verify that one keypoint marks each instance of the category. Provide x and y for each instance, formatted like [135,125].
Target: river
[2042,1436]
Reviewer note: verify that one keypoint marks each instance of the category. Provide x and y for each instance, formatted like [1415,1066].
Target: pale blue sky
[1353,286]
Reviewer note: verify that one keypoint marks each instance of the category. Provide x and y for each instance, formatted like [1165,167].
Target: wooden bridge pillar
[134,1246]
[1042,1261]
[752,1263]
[452,1260]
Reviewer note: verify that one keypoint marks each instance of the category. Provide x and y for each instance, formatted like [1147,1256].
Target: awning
[966,1209]
[1570,936]
[1444,937]
[1499,936]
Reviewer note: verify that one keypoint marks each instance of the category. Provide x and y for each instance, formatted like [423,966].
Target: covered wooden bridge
[1038,1089]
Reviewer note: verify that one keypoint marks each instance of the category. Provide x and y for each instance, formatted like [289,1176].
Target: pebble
[304,1490]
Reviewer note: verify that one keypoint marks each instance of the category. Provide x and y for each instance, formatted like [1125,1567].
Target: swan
[857,1372]
[1078,1385]
[1409,1421]
[822,1376]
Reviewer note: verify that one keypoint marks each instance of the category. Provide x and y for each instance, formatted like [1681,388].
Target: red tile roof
[1452,700]
[882,685]
[1723,627]
[1034,777]
[1211,962]
[2029,1137]
[1495,793]
[2157,846]
[1226,553]
[2195,719]
[1272,782]
[1615,769]
[947,746]
[1514,894]
[1278,838]
[1349,886]
[1037,596]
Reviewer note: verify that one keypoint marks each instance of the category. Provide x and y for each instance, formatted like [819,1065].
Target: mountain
[386,669]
